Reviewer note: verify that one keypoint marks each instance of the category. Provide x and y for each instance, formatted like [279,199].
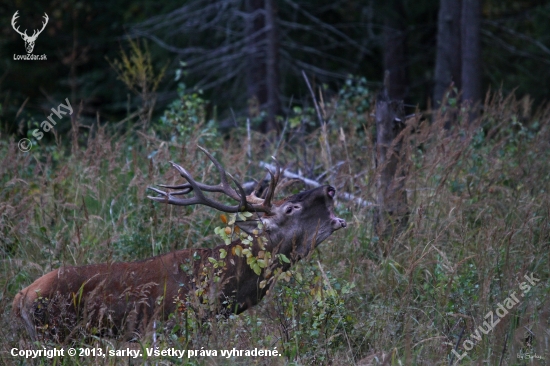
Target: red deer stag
[122,298]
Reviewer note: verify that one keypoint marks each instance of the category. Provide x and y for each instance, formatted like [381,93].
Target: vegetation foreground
[478,196]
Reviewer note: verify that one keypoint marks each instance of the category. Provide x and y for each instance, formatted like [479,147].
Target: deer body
[123,298]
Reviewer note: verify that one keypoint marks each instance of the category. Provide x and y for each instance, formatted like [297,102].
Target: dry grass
[479,222]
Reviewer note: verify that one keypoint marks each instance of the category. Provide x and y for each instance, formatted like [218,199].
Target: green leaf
[239,250]
[284,258]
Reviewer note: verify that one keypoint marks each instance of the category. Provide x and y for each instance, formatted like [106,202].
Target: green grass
[479,203]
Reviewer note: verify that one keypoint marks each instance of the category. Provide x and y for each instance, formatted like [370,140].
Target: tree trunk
[471,51]
[263,55]
[255,72]
[272,66]
[448,56]
[395,50]
[391,214]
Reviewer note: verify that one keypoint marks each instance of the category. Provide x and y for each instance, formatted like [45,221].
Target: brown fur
[122,298]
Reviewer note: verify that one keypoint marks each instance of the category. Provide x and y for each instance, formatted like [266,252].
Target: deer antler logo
[29,40]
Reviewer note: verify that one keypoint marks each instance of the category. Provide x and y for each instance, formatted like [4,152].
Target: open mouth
[338,223]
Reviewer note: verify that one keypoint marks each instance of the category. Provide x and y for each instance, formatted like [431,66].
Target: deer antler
[273,183]
[24,34]
[245,203]
[13,19]
[43,26]
[271,191]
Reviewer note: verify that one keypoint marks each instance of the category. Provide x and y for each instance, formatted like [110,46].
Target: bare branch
[312,183]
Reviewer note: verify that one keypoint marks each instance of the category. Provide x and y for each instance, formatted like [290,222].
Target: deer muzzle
[338,223]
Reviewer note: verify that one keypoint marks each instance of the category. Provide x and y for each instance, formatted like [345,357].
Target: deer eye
[290,208]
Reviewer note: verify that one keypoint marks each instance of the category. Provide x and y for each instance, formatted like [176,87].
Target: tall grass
[479,203]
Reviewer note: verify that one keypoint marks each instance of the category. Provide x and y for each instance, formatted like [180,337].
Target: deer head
[124,297]
[306,218]
[29,40]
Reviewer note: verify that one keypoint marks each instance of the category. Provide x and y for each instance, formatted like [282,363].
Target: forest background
[148,81]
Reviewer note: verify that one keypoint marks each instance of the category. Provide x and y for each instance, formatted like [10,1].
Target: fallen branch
[312,183]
